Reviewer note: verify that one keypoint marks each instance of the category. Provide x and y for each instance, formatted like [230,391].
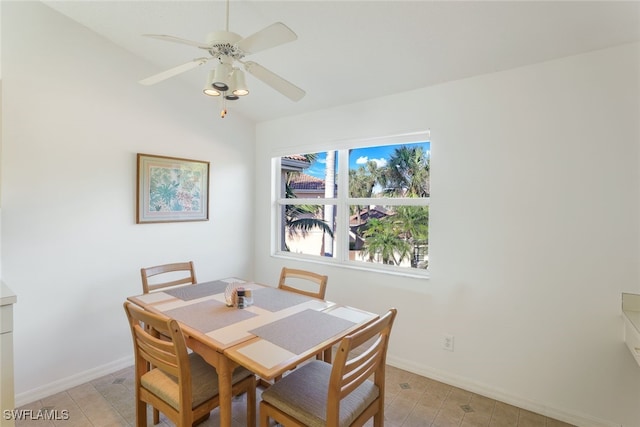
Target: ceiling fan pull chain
[223,107]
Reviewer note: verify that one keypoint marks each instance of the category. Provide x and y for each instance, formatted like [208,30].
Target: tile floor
[411,400]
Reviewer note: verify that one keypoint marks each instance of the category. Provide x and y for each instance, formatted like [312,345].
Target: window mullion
[277,242]
[342,217]
[396,201]
[317,201]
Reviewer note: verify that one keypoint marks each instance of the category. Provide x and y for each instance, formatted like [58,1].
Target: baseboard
[500,395]
[72,381]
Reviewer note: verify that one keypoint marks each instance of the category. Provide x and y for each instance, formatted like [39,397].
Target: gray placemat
[273,299]
[189,292]
[207,316]
[302,331]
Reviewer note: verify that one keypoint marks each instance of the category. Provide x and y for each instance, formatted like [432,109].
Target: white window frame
[341,202]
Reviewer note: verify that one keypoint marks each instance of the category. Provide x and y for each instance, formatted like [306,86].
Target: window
[364,205]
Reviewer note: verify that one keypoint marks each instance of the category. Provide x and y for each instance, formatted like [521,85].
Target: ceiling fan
[227,48]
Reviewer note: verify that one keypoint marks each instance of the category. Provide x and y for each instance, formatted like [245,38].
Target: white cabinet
[7,398]
[631,315]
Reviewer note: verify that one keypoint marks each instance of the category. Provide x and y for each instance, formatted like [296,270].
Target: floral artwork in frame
[171,189]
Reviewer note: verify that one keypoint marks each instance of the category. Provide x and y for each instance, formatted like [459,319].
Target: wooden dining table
[274,334]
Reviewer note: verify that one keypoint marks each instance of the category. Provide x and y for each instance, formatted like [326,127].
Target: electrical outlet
[447,342]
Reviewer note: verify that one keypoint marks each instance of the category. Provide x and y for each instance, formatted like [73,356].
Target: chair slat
[167,270]
[318,280]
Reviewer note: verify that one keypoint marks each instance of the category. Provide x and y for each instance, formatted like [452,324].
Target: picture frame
[171,189]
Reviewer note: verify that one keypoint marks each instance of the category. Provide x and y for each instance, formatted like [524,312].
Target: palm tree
[407,173]
[383,240]
[362,181]
[300,219]
[413,220]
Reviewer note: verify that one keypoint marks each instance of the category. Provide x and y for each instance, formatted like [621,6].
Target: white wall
[533,234]
[74,118]
[534,231]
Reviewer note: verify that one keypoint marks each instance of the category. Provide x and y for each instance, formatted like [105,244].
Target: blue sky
[379,154]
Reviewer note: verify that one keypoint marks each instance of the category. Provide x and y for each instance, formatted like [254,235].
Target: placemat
[274,299]
[301,331]
[199,290]
[209,315]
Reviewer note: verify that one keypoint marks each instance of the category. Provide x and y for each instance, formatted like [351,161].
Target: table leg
[225,373]
[327,354]
[224,368]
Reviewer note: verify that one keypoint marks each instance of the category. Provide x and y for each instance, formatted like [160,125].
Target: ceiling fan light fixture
[238,84]
[208,88]
[211,92]
[221,78]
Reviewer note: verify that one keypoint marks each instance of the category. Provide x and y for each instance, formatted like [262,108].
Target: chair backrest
[290,275]
[349,371]
[177,273]
[152,352]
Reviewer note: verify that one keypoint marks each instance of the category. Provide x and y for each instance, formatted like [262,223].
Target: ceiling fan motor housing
[224,44]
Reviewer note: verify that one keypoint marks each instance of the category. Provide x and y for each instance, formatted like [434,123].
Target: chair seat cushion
[204,382]
[303,394]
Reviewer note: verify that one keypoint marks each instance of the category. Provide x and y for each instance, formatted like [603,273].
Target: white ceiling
[348,51]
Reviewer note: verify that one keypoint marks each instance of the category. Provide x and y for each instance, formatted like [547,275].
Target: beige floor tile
[421,416]
[458,397]
[476,419]
[410,401]
[504,415]
[530,419]
[398,410]
[450,414]
[481,404]
[555,423]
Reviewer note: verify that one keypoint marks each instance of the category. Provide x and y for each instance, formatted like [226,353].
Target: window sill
[398,272]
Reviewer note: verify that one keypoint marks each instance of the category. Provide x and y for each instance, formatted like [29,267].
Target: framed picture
[171,189]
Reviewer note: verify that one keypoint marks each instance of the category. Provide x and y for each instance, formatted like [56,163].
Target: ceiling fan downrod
[227,23]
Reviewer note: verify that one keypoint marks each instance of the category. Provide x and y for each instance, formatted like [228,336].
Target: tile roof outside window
[306,182]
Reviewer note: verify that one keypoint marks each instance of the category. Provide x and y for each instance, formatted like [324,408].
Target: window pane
[311,175]
[392,235]
[400,170]
[306,231]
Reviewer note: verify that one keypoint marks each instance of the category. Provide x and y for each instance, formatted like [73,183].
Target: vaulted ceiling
[348,51]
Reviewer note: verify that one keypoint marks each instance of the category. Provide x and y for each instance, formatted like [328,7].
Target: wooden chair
[178,274]
[179,384]
[320,394]
[166,276]
[318,281]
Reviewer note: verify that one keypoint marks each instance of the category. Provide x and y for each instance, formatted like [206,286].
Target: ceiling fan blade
[289,90]
[177,40]
[157,78]
[271,36]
